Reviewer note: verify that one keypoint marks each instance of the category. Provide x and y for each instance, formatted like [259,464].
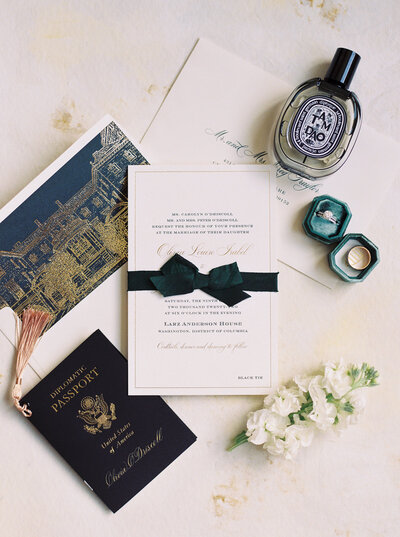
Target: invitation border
[204,390]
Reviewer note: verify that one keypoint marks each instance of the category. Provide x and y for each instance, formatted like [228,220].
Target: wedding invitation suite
[116,443]
[222,109]
[214,218]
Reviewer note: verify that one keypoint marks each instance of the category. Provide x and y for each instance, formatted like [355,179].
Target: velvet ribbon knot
[178,276]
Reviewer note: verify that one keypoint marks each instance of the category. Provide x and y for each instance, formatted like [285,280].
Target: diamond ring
[327,215]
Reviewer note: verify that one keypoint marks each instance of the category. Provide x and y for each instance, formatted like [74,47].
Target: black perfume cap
[343,67]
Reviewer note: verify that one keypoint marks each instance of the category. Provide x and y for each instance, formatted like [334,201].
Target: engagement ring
[327,215]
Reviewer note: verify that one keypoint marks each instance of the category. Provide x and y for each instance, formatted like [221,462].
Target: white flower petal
[336,380]
[303,382]
[259,436]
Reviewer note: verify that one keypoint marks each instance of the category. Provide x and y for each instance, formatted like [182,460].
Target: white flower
[258,436]
[302,431]
[255,427]
[357,399]
[285,401]
[281,448]
[296,435]
[269,400]
[262,424]
[292,414]
[303,382]
[275,446]
[323,413]
[357,402]
[336,380]
[276,424]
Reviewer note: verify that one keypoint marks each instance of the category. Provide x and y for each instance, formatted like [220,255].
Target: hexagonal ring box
[354,270]
[355,256]
[327,219]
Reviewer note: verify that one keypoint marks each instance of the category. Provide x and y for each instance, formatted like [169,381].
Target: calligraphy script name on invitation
[242,150]
[201,249]
[298,183]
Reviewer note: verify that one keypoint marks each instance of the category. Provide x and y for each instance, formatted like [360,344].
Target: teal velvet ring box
[355,256]
[327,219]
[344,259]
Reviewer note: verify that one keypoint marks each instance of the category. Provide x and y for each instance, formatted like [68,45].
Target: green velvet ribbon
[178,276]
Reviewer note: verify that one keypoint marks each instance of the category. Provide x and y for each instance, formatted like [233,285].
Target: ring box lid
[322,229]
[338,258]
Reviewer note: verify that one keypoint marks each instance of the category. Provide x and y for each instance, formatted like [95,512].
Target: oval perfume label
[318,127]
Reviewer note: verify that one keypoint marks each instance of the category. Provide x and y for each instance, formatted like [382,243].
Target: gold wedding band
[359,257]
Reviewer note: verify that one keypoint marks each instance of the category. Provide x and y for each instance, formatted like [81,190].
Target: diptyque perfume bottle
[320,121]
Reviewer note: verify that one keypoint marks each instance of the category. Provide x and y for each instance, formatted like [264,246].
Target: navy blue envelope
[115,442]
[70,234]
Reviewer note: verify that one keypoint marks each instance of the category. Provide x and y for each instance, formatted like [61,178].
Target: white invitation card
[223,110]
[212,217]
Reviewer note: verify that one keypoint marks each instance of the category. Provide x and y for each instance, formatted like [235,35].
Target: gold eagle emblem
[96,414]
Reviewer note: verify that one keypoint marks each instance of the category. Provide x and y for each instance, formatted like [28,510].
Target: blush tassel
[28,333]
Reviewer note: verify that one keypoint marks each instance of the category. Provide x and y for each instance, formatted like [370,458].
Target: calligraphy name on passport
[112,476]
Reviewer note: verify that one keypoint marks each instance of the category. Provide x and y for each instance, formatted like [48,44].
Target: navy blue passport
[115,442]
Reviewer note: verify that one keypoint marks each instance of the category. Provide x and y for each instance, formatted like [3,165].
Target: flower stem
[241,438]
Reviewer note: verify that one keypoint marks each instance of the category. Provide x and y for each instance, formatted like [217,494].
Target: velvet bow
[226,283]
[179,277]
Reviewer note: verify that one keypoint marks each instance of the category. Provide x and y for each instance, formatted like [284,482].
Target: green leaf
[348,407]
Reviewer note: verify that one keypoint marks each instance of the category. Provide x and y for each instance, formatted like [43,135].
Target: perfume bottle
[320,121]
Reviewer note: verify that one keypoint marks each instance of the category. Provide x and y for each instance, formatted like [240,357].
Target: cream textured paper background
[63,66]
